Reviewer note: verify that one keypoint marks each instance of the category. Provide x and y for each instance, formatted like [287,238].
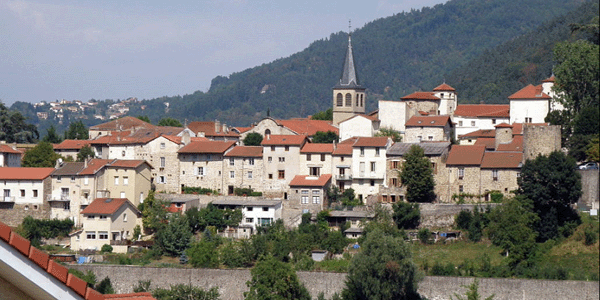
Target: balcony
[63,198]
[343,177]
[8,199]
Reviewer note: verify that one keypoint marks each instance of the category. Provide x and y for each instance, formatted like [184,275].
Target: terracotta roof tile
[94,166]
[4,232]
[20,243]
[22,173]
[489,143]
[102,206]
[466,155]
[280,140]
[502,160]
[515,145]
[551,79]
[92,294]
[132,296]
[245,151]
[317,148]
[207,147]
[127,163]
[242,129]
[489,133]
[371,141]
[77,284]
[208,127]
[125,123]
[444,87]
[503,125]
[529,92]
[71,144]
[57,270]
[428,121]
[40,257]
[8,149]
[305,126]
[342,150]
[307,180]
[420,96]
[173,138]
[483,110]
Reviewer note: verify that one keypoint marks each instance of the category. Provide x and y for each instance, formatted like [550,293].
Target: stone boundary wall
[232,283]
[442,215]
[13,214]
[589,186]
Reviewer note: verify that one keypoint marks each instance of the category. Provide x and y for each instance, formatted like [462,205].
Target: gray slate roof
[68,168]
[349,78]
[430,148]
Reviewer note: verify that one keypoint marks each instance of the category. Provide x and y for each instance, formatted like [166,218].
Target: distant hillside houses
[474,150]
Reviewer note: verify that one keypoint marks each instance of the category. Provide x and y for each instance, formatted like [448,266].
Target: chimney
[185,137]
[225,128]
[217,126]
[85,163]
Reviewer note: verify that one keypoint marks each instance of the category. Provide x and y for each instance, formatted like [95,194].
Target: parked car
[589,166]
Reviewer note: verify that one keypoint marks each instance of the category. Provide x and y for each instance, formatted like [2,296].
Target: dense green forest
[395,56]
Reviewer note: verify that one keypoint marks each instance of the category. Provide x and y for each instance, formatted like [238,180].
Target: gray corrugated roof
[68,168]
[247,202]
[430,148]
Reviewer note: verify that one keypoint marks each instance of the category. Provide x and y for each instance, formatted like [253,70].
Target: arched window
[348,99]
[357,96]
[267,132]
[362,103]
[339,99]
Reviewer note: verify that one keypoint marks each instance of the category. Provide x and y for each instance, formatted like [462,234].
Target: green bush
[246,192]
[197,190]
[424,236]
[106,248]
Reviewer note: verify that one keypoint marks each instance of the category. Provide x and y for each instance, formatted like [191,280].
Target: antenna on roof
[349,26]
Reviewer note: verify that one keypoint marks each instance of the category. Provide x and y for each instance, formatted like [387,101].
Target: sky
[115,49]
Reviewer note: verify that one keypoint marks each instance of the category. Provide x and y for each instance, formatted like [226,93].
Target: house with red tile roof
[70,148]
[342,165]
[27,272]
[212,130]
[499,172]
[309,193]
[125,124]
[473,117]
[255,213]
[359,125]
[464,172]
[428,128]
[243,167]
[369,165]
[281,157]
[9,156]
[24,192]
[76,184]
[316,159]
[297,126]
[529,105]
[201,164]
[106,221]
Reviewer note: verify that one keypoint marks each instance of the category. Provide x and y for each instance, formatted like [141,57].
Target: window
[162,145]
[434,168]
[460,123]
[125,180]
[376,151]
[316,199]
[304,199]
[395,164]
[287,148]
[265,208]
[518,174]
[251,161]
[86,180]
[282,159]
[372,182]
[269,159]
[348,99]
[361,169]
[22,193]
[102,217]
[122,195]
[394,182]
[250,175]
[372,166]
[116,180]
[270,175]
[231,174]
[272,148]
[103,235]
[90,235]
[125,217]
[231,161]
[58,178]
[316,192]
[249,220]
[305,192]
[281,174]
[162,179]
[265,221]
[339,99]
[495,175]
[356,99]
[72,178]
[493,121]
[249,208]
[461,189]
[67,205]
[91,217]
[472,123]
[362,151]
[528,120]
[162,162]
[430,137]
[419,138]
[461,173]
[315,171]
[308,157]
[35,193]
[322,157]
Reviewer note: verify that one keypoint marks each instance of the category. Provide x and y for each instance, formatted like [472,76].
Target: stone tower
[348,95]
[540,140]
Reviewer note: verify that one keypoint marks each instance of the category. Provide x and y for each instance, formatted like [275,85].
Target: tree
[40,156]
[105,286]
[328,137]
[593,150]
[383,269]
[13,128]
[472,292]
[511,228]
[416,174]
[85,152]
[389,132]
[77,131]
[326,115]
[204,254]
[253,139]
[144,118]
[553,184]
[273,279]
[174,238]
[185,292]
[169,122]
[154,213]
[406,215]
[51,136]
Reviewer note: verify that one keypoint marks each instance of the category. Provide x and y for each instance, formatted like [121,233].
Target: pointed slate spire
[349,77]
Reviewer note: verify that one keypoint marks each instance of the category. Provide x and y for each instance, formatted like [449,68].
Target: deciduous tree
[85,152]
[77,131]
[169,122]
[417,176]
[40,156]
[253,139]
[407,215]
[273,279]
[328,137]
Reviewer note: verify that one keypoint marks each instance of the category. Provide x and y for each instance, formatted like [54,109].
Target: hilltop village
[475,151]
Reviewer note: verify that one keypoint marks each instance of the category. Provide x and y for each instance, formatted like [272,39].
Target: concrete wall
[232,283]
